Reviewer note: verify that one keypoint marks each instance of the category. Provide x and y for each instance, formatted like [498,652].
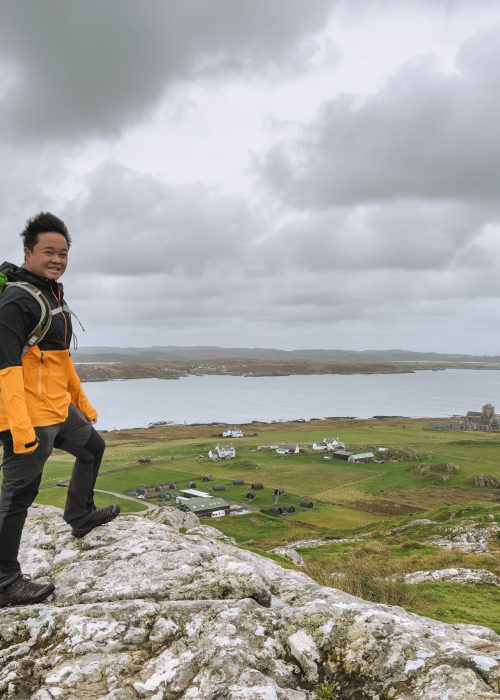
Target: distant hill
[211,353]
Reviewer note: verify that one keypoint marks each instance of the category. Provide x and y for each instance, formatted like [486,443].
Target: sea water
[234,399]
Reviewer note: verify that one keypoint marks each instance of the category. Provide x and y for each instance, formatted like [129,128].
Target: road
[149,506]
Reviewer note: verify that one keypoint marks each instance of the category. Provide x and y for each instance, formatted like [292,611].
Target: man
[42,404]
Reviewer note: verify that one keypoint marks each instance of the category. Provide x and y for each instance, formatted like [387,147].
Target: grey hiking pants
[22,475]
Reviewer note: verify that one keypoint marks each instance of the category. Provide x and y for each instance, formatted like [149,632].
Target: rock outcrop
[468,538]
[476,577]
[144,609]
[486,481]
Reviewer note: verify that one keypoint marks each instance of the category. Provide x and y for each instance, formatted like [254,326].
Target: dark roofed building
[342,454]
[202,506]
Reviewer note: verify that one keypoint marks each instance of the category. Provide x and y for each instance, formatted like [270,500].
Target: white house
[222,452]
[320,446]
[232,432]
[288,450]
[334,444]
[328,445]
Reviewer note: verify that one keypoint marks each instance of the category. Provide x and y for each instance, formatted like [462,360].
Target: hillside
[362,512]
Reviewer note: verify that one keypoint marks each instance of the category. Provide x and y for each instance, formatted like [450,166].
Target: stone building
[487,419]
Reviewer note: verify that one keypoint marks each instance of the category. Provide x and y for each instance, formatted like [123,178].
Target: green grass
[473,605]
[345,496]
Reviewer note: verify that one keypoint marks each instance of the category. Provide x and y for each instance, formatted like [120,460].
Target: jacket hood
[14,273]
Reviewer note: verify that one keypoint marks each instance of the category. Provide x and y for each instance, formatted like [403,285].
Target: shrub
[328,690]
[363,572]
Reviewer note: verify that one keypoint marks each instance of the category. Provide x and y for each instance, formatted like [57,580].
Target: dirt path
[149,506]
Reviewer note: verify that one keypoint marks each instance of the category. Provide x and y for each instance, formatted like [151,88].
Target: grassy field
[365,500]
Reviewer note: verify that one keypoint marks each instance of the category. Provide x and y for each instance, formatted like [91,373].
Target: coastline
[113,371]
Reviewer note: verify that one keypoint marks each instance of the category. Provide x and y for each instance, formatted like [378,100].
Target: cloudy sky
[274,173]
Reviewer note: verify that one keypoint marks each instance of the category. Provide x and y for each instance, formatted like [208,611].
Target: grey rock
[311,544]
[290,554]
[478,577]
[407,526]
[166,515]
[142,610]
[468,538]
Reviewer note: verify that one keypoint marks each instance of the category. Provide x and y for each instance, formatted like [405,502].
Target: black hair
[43,222]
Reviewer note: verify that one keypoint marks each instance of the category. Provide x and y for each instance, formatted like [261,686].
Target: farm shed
[342,454]
[203,506]
[193,493]
[361,457]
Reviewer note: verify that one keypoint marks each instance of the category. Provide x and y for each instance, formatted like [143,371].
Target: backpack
[46,312]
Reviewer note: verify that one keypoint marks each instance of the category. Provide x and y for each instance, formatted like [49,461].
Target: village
[210,503]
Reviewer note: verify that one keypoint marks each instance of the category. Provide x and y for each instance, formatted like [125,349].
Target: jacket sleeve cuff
[26,447]
[20,425]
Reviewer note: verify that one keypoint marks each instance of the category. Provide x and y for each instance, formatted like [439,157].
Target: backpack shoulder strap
[43,324]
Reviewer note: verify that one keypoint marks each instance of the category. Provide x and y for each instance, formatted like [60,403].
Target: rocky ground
[160,608]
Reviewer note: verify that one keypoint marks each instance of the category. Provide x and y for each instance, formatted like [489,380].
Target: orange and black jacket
[37,387]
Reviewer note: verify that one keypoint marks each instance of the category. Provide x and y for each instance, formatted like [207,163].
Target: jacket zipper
[40,372]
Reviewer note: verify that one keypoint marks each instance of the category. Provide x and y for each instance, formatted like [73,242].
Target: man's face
[49,256]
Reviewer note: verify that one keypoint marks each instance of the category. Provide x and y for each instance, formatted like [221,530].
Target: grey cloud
[405,234]
[153,257]
[426,135]
[79,69]
[129,224]
[27,184]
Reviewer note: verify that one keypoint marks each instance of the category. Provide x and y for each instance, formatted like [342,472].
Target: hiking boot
[24,591]
[99,516]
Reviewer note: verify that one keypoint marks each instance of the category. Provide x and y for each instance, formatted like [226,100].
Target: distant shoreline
[112,371]
[327,422]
